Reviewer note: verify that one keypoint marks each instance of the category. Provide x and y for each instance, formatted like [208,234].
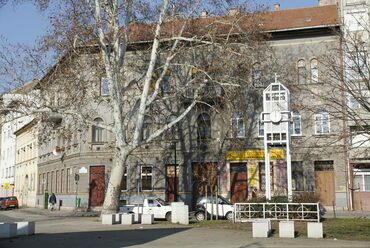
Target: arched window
[295,126]
[301,71]
[98,132]
[147,128]
[322,122]
[257,75]
[204,126]
[237,125]
[314,71]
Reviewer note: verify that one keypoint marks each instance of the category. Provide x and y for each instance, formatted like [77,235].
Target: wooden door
[238,182]
[172,183]
[97,185]
[324,187]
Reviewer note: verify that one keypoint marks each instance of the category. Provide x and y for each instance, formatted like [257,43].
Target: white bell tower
[276,118]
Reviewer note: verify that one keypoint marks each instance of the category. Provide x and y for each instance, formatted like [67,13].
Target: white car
[156,206]
[224,209]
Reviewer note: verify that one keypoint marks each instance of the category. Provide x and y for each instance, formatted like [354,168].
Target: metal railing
[246,212]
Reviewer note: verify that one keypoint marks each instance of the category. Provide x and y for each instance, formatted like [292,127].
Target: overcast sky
[24,23]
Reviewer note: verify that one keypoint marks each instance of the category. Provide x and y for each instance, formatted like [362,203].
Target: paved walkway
[62,231]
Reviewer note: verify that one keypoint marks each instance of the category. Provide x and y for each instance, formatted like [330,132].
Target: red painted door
[172,183]
[97,185]
[238,182]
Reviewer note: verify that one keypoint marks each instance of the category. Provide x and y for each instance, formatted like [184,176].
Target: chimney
[204,14]
[234,12]
[277,6]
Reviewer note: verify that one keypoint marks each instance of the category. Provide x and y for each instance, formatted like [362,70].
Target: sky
[24,24]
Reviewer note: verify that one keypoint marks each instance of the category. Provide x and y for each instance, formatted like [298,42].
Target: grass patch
[349,229]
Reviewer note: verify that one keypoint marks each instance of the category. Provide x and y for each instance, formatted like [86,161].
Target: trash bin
[78,202]
[46,200]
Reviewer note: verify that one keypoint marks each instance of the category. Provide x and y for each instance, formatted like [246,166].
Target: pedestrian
[52,201]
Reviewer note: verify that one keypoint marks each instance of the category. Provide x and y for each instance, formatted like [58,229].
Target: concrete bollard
[147,219]
[176,209]
[261,229]
[117,218]
[8,230]
[26,228]
[108,219]
[286,229]
[137,217]
[127,219]
[315,230]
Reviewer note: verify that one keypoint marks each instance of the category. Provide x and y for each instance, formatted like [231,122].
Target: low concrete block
[286,229]
[8,230]
[261,229]
[26,228]
[137,217]
[108,219]
[147,219]
[117,218]
[127,219]
[315,230]
[176,210]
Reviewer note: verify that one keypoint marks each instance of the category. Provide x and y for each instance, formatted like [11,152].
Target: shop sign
[253,155]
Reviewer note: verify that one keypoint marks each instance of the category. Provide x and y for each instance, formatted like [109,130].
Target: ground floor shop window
[361,180]
[262,177]
[146,178]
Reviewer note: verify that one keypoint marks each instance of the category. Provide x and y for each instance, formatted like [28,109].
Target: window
[104,86]
[147,128]
[360,139]
[297,176]
[40,184]
[97,132]
[61,180]
[353,103]
[237,125]
[261,128]
[57,188]
[361,179]
[257,75]
[314,71]
[295,126]
[204,126]
[301,71]
[48,182]
[124,180]
[67,180]
[166,86]
[52,183]
[146,178]
[322,122]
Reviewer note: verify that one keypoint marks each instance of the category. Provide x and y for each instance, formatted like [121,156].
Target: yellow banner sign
[252,173]
[253,155]
[6,185]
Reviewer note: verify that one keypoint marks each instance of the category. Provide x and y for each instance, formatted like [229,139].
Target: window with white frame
[314,71]
[147,178]
[237,126]
[322,122]
[360,137]
[353,103]
[295,126]
[172,133]
[204,126]
[97,132]
[361,179]
[147,128]
[104,86]
[301,71]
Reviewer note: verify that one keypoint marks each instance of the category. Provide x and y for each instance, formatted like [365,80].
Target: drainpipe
[349,187]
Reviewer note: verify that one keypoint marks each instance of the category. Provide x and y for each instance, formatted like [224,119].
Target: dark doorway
[97,185]
[172,183]
[238,182]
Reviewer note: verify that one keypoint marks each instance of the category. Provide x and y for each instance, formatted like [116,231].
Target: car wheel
[229,216]
[200,216]
[168,216]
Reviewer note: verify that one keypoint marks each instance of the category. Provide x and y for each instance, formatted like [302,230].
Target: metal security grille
[247,212]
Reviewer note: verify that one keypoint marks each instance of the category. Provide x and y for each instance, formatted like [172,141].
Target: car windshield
[2,198]
[224,200]
[163,203]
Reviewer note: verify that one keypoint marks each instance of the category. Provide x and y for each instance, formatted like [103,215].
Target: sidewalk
[59,213]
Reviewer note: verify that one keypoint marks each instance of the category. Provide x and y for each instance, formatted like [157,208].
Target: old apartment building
[208,150]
